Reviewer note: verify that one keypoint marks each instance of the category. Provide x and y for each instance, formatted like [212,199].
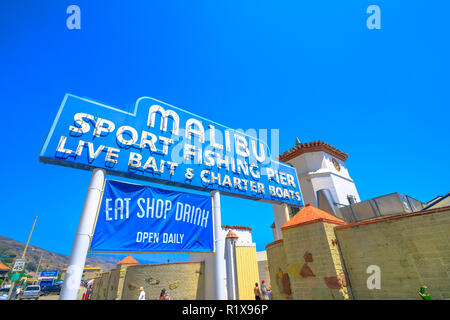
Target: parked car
[53,289]
[31,292]
[4,293]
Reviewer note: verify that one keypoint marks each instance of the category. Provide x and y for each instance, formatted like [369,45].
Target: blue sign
[49,273]
[161,143]
[134,218]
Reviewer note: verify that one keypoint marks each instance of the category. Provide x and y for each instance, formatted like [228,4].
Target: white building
[263,267]
[232,237]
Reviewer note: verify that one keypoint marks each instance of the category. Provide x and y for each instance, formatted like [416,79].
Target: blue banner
[158,142]
[135,218]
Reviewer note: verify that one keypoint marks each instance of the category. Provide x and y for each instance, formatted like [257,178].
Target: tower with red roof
[306,264]
[323,176]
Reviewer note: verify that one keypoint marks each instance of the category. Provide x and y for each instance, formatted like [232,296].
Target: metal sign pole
[83,236]
[219,254]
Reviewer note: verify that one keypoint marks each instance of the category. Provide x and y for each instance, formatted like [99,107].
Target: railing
[390,204]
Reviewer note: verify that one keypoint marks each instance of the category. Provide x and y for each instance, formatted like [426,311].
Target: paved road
[50,297]
[56,296]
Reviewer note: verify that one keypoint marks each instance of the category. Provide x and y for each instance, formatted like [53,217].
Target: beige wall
[410,251]
[100,288]
[278,271]
[183,281]
[91,274]
[306,264]
[313,262]
[87,274]
[113,284]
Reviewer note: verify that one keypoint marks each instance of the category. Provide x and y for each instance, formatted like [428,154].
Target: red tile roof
[128,260]
[310,214]
[4,267]
[236,227]
[231,234]
[312,147]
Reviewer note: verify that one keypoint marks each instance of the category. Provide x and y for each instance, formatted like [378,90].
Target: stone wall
[384,258]
[183,281]
[313,262]
[276,258]
[411,250]
[88,273]
[100,288]
[113,284]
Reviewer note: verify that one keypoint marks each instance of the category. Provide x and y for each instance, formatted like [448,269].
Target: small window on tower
[351,199]
[293,211]
[336,164]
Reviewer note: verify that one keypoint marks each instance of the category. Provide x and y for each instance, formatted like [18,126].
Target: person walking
[269,292]
[257,292]
[141,293]
[265,295]
[163,295]
[17,292]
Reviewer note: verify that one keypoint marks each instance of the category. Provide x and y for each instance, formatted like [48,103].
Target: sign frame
[46,157]
[19,265]
[42,274]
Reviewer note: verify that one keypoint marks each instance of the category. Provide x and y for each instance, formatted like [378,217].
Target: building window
[351,199]
[293,211]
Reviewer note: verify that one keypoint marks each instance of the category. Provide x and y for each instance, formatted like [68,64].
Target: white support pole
[281,216]
[219,246]
[286,213]
[83,236]
[231,269]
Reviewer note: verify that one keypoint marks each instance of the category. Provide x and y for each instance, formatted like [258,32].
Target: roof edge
[236,227]
[314,146]
[274,243]
[394,217]
[313,221]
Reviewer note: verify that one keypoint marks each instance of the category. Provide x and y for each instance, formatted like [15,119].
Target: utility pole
[29,237]
[39,264]
[23,256]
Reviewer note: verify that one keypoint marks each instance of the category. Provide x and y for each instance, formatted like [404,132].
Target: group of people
[265,293]
[164,295]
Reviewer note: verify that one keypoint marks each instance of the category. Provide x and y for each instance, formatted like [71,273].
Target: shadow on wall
[183,281]
[200,294]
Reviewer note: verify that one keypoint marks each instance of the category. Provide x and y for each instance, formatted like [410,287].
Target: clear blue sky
[311,69]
